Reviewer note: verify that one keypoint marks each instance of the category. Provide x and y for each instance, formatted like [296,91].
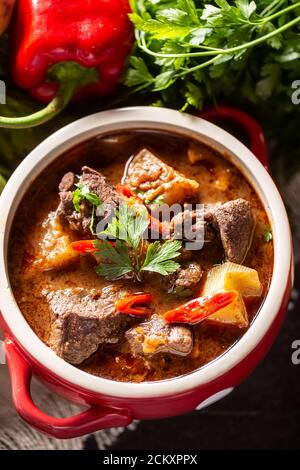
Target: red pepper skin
[131,304]
[87,246]
[128,193]
[197,310]
[84,246]
[92,33]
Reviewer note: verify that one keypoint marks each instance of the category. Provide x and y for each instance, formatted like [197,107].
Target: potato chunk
[150,177]
[234,314]
[55,250]
[232,276]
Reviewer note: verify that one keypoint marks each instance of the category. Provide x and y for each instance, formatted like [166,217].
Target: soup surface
[42,281]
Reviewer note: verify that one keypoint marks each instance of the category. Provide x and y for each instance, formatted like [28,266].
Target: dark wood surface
[262,413]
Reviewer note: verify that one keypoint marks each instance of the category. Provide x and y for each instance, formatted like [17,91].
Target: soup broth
[219,181]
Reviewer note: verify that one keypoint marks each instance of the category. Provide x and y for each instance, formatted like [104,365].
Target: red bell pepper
[197,310]
[61,48]
[133,304]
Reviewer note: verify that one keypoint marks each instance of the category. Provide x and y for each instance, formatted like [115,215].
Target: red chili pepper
[87,246]
[84,246]
[127,192]
[155,225]
[133,304]
[197,310]
[62,48]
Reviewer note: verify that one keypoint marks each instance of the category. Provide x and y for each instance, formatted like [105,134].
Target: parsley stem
[272,6]
[198,67]
[281,12]
[199,46]
[247,45]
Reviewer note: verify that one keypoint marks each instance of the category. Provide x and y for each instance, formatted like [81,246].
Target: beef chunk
[231,222]
[156,336]
[82,320]
[185,280]
[235,222]
[97,183]
[186,225]
[67,182]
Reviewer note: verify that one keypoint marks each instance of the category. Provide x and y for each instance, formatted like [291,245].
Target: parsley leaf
[159,257]
[114,260]
[138,73]
[247,8]
[83,193]
[268,236]
[129,224]
[194,95]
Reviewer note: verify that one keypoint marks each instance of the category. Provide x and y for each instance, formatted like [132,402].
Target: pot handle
[254,131]
[91,420]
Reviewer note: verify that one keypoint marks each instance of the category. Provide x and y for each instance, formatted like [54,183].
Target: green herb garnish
[114,260]
[159,257]
[82,193]
[127,256]
[268,236]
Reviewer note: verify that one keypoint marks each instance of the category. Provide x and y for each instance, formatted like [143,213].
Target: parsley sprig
[82,193]
[128,255]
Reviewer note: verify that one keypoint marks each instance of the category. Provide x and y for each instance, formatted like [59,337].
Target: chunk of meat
[194,226]
[151,177]
[231,222]
[185,280]
[236,225]
[67,182]
[96,183]
[155,336]
[82,320]
[54,250]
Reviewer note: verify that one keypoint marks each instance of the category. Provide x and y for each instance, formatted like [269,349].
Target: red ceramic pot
[117,404]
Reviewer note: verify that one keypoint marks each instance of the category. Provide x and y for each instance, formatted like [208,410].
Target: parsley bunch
[190,51]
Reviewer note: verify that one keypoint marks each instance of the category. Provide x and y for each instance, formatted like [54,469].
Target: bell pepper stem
[60,101]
